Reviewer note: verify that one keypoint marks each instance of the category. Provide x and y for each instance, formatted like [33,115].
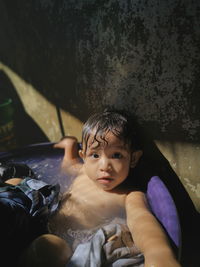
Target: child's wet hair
[117,122]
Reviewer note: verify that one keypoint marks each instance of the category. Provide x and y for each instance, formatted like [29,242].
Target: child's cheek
[89,170]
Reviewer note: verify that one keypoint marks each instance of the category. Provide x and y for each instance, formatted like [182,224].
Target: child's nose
[105,164]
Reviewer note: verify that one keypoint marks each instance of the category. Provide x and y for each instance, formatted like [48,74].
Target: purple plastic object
[163,206]
[45,162]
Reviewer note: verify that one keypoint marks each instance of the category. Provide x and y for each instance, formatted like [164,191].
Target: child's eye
[117,156]
[95,155]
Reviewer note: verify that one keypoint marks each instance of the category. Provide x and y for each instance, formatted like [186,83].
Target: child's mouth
[105,180]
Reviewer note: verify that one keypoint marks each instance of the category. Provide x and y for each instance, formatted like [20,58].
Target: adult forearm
[148,234]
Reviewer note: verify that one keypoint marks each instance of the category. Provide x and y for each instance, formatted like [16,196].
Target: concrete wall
[79,56]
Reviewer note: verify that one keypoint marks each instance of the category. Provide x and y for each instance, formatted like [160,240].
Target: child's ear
[81,154]
[136,155]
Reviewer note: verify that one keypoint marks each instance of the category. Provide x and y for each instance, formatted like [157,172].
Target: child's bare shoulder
[72,169]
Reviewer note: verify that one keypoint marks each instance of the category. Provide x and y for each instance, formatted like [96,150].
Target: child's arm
[71,153]
[147,233]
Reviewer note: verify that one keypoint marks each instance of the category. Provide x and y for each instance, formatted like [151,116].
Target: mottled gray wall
[139,55]
[142,55]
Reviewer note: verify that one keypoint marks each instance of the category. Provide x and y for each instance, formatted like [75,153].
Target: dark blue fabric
[35,196]
[24,209]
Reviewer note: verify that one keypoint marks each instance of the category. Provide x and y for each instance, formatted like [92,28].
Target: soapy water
[79,236]
[46,168]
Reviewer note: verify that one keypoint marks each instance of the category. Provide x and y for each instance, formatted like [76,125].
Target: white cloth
[111,246]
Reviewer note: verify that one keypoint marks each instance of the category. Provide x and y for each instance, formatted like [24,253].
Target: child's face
[107,164]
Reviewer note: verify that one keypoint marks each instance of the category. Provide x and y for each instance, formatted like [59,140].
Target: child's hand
[71,160]
[66,142]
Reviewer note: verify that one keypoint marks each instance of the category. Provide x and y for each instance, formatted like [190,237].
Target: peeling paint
[194,188]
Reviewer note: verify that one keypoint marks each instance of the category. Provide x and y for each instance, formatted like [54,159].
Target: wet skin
[96,196]
[108,163]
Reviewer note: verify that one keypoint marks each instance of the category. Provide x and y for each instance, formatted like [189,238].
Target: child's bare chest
[91,206]
[84,209]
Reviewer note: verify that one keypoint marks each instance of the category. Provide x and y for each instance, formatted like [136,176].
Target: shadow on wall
[140,55]
[26,130]
[80,55]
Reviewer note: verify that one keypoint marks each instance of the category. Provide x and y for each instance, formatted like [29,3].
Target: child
[102,191]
